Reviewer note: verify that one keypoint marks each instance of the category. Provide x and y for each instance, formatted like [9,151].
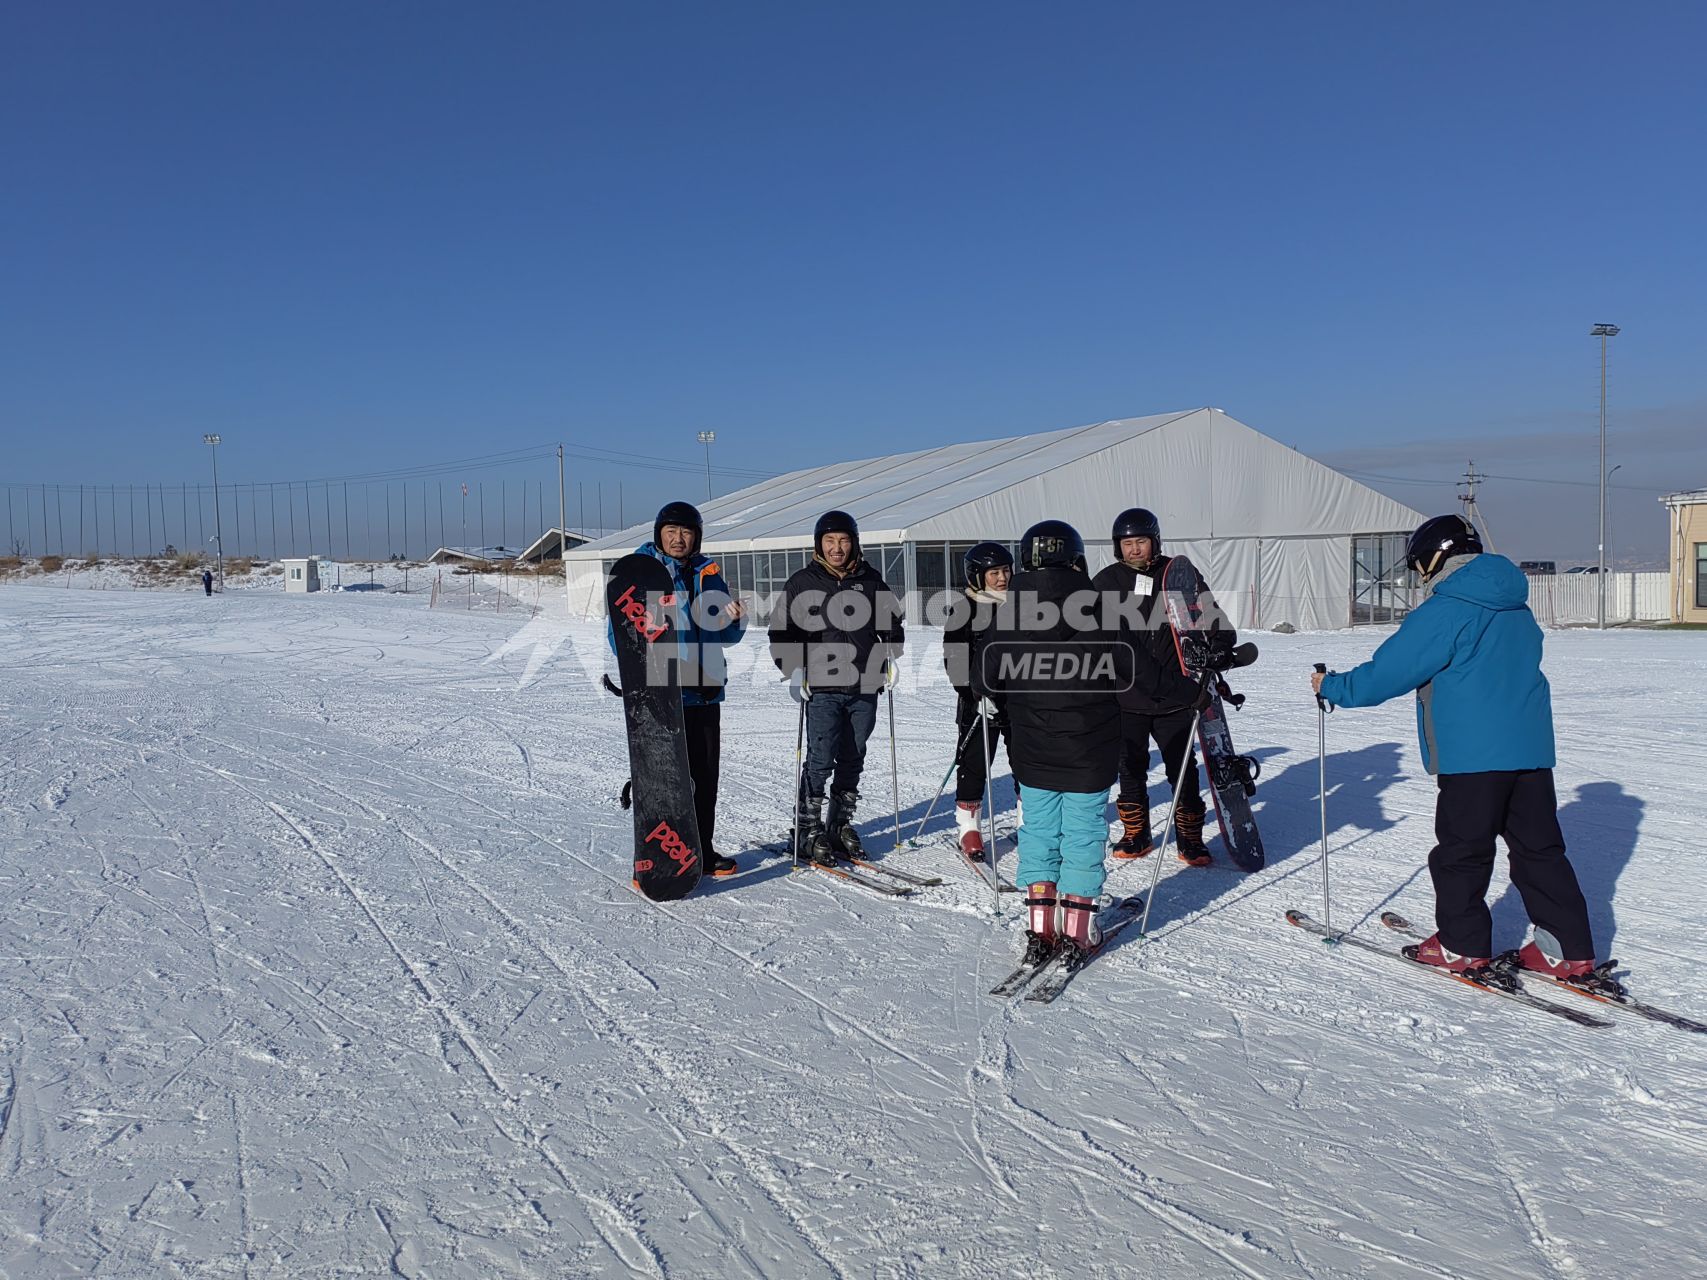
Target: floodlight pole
[707,438]
[212,441]
[562,525]
[1603,332]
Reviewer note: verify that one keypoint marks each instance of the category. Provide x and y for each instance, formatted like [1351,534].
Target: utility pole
[1603,332]
[1467,503]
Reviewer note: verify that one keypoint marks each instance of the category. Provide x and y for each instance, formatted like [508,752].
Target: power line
[1488,475]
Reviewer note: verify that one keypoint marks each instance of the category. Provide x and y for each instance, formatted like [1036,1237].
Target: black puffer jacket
[1158,684]
[963,654]
[1060,685]
[838,629]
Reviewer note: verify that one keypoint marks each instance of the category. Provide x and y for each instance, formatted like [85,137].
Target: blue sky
[360,238]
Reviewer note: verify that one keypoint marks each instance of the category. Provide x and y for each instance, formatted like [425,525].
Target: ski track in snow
[318,956]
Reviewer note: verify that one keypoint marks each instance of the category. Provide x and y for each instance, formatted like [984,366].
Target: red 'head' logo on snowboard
[674,846]
[634,610]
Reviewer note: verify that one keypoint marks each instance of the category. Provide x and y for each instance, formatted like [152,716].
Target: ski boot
[811,841]
[1544,957]
[966,823]
[839,825]
[1135,841]
[1079,925]
[1429,951]
[1188,837]
[716,865]
[1042,934]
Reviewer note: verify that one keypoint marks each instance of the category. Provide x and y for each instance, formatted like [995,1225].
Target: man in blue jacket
[1472,653]
[709,618]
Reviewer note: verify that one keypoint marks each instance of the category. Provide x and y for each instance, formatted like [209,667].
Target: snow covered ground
[318,957]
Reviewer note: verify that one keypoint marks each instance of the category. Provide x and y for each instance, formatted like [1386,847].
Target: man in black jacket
[1160,703]
[988,567]
[836,632]
[1060,665]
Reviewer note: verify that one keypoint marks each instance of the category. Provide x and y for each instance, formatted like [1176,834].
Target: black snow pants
[969,774]
[703,727]
[1473,808]
[1172,734]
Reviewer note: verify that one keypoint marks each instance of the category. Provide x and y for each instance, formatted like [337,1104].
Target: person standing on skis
[1059,665]
[1161,703]
[988,567]
[1471,651]
[708,620]
[836,633]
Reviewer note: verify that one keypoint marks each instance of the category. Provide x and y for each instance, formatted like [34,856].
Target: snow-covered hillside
[318,957]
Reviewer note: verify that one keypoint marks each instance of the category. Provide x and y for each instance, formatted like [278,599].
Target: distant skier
[1472,652]
[708,620]
[1161,701]
[987,569]
[1059,678]
[207,581]
[836,632]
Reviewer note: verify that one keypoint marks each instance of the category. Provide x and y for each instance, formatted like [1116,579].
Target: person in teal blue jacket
[709,619]
[1471,651]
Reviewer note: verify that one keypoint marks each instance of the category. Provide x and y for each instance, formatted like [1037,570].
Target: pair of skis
[1504,978]
[866,872]
[1043,983]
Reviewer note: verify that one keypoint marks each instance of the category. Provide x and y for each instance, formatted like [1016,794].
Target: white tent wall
[586,587]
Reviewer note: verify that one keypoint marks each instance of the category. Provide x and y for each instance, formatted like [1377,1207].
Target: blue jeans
[837,726]
[1063,839]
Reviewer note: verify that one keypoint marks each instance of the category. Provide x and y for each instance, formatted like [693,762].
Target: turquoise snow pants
[1063,839]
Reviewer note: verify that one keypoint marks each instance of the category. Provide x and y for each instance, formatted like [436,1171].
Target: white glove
[798,689]
[987,709]
[891,672]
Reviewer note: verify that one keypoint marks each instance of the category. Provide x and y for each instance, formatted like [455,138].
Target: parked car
[1539,567]
[1584,568]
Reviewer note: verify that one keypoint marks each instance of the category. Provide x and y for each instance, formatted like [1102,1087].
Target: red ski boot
[971,839]
[1430,951]
[1042,936]
[1079,924]
[1534,960]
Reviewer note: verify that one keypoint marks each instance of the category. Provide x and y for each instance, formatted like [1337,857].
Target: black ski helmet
[981,559]
[1437,539]
[1137,522]
[683,514]
[1052,544]
[834,522]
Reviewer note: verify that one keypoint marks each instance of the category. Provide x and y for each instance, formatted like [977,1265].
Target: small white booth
[302,575]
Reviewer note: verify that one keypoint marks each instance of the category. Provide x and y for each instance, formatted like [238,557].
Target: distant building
[302,575]
[547,547]
[1688,540]
[550,545]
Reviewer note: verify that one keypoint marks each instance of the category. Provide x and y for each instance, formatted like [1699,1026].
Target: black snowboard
[1232,777]
[667,855]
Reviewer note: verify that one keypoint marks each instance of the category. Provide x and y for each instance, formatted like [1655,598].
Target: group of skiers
[1077,677]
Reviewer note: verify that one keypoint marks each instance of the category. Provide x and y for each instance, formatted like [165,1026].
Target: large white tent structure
[1280,537]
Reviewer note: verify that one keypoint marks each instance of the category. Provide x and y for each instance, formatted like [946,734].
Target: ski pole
[894,769]
[1186,762]
[943,785]
[1322,710]
[799,781]
[990,816]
